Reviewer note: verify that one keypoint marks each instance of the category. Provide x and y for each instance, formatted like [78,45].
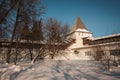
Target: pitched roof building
[86,45]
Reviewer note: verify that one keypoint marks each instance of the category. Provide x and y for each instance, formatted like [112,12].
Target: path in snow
[59,70]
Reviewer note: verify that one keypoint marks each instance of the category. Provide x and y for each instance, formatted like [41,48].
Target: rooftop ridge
[107,36]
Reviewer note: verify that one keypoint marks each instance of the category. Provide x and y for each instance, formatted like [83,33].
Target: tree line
[22,20]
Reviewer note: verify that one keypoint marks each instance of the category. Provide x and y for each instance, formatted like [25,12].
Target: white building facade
[85,46]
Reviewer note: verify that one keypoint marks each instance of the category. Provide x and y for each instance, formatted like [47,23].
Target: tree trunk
[13,34]
[42,49]
[31,54]
[16,48]
[16,56]
[108,63]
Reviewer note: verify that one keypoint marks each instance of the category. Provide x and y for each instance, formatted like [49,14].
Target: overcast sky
[101,17]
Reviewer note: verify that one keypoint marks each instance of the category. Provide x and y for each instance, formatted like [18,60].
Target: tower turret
[78,32]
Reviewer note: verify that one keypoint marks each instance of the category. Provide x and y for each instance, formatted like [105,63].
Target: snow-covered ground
[57,70]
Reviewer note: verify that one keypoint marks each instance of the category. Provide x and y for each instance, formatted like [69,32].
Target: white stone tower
[78,32]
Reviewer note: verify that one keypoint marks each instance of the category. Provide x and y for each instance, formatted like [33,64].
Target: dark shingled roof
[78,25]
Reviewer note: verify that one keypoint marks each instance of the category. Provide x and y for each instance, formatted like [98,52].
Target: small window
[82,34]
[88,53]
[76,52]
[115,52]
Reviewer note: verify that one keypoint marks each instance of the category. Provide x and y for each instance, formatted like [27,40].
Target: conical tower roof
[78,25]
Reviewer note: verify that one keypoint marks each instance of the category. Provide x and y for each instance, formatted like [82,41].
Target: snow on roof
[108,36]
[82,30]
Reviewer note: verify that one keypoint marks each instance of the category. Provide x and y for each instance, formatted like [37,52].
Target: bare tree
[37,34]
[6,6]
[54,37]
[55,34]
[102,53]
[98,52]
[25,13]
